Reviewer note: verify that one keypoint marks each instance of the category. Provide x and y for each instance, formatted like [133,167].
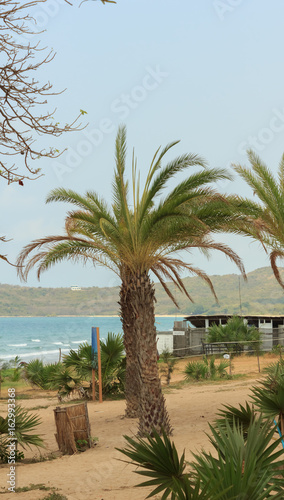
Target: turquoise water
[31,338]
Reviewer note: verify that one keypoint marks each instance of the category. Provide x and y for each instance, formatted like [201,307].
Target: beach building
[188,337]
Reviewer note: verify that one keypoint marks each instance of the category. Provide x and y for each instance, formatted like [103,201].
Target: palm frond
[246,467]
[274,255]
[153,187]
[158,458]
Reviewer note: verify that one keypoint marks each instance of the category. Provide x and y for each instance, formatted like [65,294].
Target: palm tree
[134,237]
[267,223]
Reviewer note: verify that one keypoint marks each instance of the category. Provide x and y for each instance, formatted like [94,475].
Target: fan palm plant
[135,237]
[243,467]
[206,369]
[234,335]
[269,396]
[159,460]
[242,416]
[246,466]
[66,381]
[40,375]
[25,423]
[168,365]
[113,366]
[267,223]
[112,355]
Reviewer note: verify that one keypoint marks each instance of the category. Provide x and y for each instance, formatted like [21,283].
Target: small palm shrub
[112,363]
[246,467]
[25,423]
[40,375]
[206,369]
[165,470]
[232,333]
[74,374]
[11,370]
[242,417]
[243,467]
[168,366]
[66,381]
[268,397]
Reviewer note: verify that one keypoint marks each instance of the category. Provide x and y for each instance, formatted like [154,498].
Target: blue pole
[279,432]
[94,341]
[94,359]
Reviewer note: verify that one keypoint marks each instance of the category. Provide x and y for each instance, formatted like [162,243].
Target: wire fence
[269,342]
[230,353]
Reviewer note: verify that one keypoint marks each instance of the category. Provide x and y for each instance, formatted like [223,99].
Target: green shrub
[235,335]
[206,369]
[75,372]
[243,467]
[25,423]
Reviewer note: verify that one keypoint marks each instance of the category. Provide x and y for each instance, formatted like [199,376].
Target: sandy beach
[98,474]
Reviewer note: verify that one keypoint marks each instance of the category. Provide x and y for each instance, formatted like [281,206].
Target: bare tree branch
[24,116]
[4,257]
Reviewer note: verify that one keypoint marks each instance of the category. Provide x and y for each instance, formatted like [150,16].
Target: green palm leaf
[158,458]
[246,467]
[265,223]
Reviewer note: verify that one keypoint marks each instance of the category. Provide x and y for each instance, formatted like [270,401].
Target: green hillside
[261,294]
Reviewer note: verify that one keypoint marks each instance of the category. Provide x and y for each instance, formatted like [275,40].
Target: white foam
[78,341]
[35,340]
[17,345]
[37,354]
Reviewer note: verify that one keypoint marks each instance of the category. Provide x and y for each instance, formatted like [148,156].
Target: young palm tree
[267,223]
[134,237]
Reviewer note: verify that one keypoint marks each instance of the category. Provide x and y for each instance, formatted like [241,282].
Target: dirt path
[97,474]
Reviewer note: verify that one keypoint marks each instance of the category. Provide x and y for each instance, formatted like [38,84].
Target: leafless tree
[24,114]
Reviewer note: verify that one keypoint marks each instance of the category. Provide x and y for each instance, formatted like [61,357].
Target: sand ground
[97,474]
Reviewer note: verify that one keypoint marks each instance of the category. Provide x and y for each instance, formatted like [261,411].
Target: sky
[209,73]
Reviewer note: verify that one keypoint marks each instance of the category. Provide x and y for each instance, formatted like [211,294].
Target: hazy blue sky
[210,73]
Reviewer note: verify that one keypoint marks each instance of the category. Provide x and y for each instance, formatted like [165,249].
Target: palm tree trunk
[129,318]
[152,408]
[143,386]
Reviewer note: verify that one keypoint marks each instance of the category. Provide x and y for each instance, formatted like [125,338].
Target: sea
[44,337]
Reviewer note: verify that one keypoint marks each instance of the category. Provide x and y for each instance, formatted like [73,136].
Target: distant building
[267,322]
[271,326]
[189,336]
[76,288]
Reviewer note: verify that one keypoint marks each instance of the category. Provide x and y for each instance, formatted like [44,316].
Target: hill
[261,294]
